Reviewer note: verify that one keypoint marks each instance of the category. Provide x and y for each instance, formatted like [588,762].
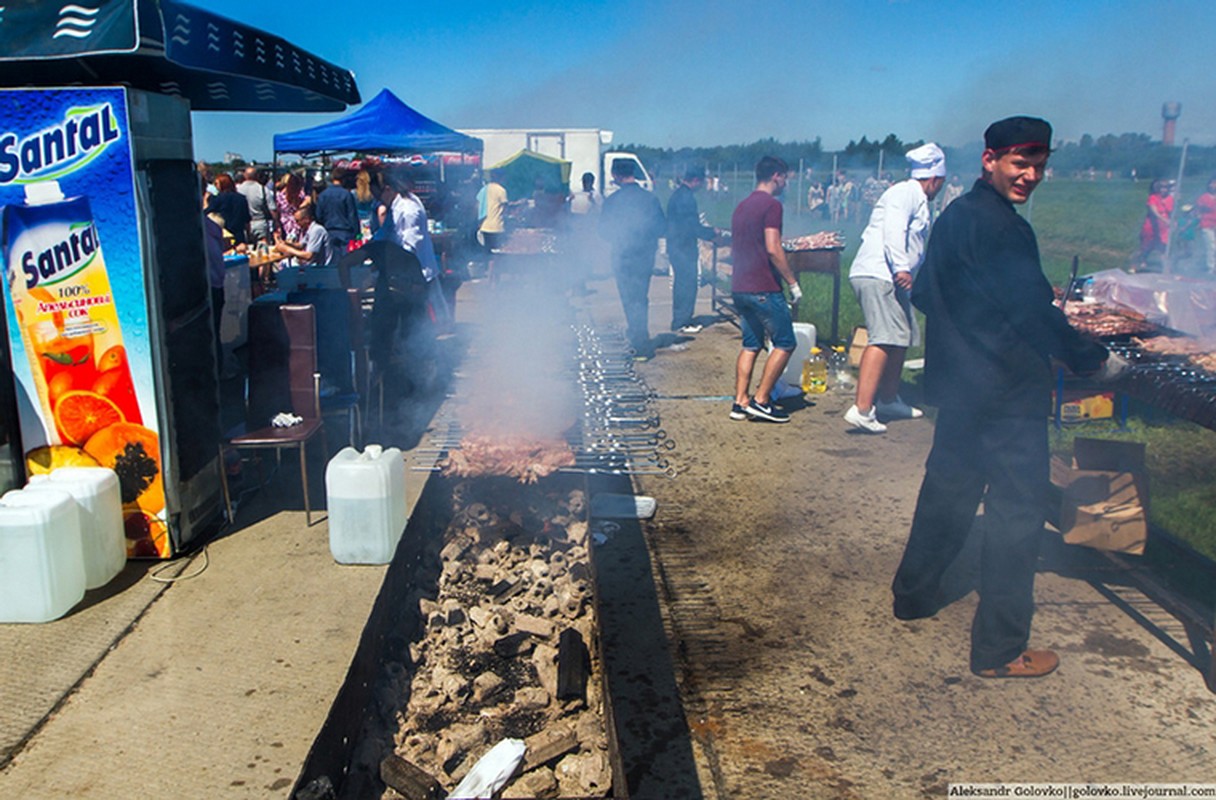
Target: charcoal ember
[591,733]
[548,745]
[532,698]
[487,573]
[486,686]
[539,567]
[539,783]
[479,616]
[558,564]
[454,549]
[534,625]
[573,665]
[408,779]
[584,775]
[541,588]
[458,742]
[551,608]
[544,659]
[576,504]
[514,644]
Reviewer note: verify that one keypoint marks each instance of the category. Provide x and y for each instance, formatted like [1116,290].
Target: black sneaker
[767,412]
[737,412]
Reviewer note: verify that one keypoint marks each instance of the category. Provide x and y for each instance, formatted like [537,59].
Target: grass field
[1098,222]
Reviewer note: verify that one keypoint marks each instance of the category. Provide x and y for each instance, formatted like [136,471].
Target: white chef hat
[927,161]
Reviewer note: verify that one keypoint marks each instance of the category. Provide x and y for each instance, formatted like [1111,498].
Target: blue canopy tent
[383,125]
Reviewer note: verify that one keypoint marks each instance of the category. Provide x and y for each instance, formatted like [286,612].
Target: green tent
[521,171]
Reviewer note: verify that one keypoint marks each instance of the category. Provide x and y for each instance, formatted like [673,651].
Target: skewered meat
[824,240]
[1099,320]
[527,460]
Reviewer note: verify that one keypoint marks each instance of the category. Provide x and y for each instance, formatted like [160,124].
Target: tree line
[1118,154]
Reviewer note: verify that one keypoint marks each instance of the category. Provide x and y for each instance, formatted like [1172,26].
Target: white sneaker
[865,422]
[897,409]
[691,329]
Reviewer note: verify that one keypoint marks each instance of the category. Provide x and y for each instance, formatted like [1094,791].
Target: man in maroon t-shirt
[760,272]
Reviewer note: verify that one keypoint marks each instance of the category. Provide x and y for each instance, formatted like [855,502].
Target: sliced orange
[80,414]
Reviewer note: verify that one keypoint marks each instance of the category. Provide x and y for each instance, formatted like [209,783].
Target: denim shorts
[764,314]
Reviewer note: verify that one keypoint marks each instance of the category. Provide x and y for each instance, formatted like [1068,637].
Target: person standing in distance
[632,222]
[892,247]
[337,213]
[991,330]
[760,271]
[684,228]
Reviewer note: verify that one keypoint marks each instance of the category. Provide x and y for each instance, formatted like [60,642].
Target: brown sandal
[1031,664]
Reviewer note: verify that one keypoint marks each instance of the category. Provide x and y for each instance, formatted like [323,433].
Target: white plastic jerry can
[96,491]
[41,561]
[365,495]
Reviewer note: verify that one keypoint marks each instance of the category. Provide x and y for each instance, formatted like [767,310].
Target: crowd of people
[1169,229]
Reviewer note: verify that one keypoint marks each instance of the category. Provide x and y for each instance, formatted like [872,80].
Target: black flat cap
[1013,132]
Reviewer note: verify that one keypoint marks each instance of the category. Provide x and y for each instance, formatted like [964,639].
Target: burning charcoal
[485,572]
[506,588]
[479,616]
[534,625]
[548,745]
[576,504]
[591,732]
[540,784]
[454,549]
[551,607]
[456,742]
[436,620]
[541,588]
[538,568]
[515,644]
[544,659]
[532,698]
[569,601]
[557,564]
[454,687]
[573,664]
[408,780]
[456,616]
[584,775]
[485,686]
[427,607]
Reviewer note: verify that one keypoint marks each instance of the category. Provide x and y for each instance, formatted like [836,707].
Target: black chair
[339,338]
[282,375]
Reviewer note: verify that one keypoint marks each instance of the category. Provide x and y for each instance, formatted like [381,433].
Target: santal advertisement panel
[75,296]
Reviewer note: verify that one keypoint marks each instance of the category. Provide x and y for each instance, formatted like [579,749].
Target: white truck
[587,149]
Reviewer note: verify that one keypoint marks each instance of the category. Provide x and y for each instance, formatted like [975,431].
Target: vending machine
[107,302]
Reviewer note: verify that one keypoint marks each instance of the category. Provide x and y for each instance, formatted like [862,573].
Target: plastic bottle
[815,373]
[839,374]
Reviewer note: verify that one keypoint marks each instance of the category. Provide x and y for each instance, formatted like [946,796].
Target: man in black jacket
[337,213]
[684,228]
[991,330]
[632,222]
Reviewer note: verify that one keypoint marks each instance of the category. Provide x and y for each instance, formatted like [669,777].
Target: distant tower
[1170,113]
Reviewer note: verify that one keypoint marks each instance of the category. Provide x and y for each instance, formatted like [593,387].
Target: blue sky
[716,72]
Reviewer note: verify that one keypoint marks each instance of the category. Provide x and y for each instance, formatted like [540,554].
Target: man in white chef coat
[892,247]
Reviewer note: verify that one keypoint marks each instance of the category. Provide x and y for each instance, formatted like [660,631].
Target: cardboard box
[857,343]
[1103,496]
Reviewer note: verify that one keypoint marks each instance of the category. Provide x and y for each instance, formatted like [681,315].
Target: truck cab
[607,183]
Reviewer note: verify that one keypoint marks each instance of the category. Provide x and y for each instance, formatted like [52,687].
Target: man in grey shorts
[892,247]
